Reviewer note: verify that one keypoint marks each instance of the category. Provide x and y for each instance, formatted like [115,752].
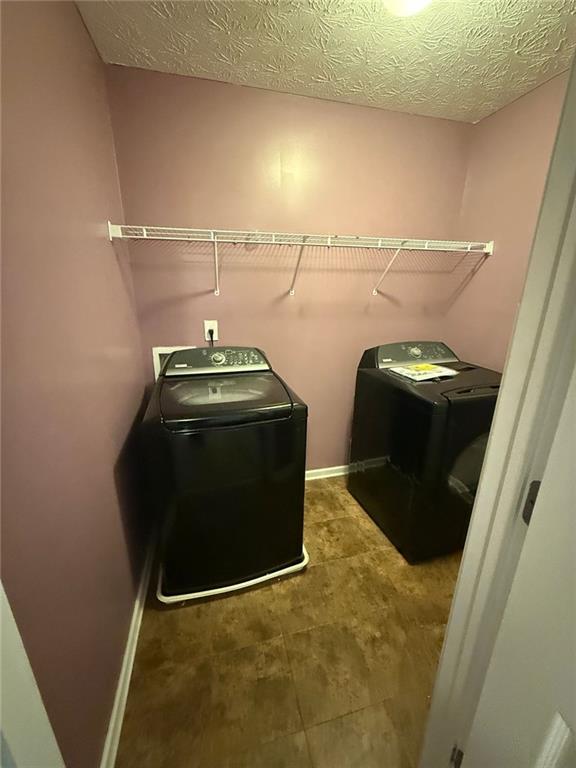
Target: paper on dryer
[424,371]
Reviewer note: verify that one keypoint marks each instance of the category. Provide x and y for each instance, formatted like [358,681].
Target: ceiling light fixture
[405,7]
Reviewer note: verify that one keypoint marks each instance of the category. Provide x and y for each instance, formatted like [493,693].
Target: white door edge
[559,746]
[26,728]
[536,376]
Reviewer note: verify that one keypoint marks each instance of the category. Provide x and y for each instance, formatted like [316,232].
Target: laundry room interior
[240,550]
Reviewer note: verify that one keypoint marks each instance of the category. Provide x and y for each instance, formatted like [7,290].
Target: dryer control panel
[191,362]
[407,352]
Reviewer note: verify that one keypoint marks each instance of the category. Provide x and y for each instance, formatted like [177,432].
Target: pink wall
[72,378]
[509,157]
[205,154]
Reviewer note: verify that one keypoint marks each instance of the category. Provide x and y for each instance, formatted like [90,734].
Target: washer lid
[193,402]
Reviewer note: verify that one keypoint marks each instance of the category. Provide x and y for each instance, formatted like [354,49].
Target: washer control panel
[191,362]
[407,352]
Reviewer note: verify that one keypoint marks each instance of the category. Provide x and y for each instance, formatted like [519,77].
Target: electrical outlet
[210,325]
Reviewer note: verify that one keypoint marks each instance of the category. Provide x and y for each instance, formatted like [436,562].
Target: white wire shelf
[238,237]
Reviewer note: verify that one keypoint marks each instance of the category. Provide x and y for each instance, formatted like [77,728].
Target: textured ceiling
[459,59]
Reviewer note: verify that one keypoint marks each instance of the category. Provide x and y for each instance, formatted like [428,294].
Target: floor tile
[322,504]
[286,752]
[331,539]
[347,648]
[345,666]
[254,694]
[332,484]
[408,708]
[332,590]
[328,499]
[424,591]
[210,709]
[215,626]
[161,720]
[363,739]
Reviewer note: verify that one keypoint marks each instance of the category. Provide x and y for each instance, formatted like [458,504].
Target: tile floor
[330,668]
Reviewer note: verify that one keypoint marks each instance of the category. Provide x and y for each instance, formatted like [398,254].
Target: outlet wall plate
[210,324]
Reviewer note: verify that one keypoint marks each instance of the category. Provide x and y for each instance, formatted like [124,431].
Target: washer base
[232,587]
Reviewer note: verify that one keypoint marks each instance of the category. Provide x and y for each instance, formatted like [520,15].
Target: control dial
[415,352]
[218,358]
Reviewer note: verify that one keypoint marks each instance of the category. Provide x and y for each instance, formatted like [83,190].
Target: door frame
[27,735]
[541,356]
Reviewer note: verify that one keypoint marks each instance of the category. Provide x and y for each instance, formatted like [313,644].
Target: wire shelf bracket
[292,290]
[216,270]
[388,266]
[238,237]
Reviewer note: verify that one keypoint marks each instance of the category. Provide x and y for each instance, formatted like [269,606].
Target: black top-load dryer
[226,441]
[417,446]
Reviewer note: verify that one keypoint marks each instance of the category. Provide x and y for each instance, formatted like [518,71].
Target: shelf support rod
[295,275]
[388,266]
[216,268]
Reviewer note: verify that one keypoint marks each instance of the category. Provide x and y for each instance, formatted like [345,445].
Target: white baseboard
[117,716]
[316,474]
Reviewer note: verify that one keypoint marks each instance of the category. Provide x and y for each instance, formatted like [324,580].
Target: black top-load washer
[226,440]
[417,446]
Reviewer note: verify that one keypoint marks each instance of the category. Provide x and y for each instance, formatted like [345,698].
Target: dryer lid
[470,383]
[193,402]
